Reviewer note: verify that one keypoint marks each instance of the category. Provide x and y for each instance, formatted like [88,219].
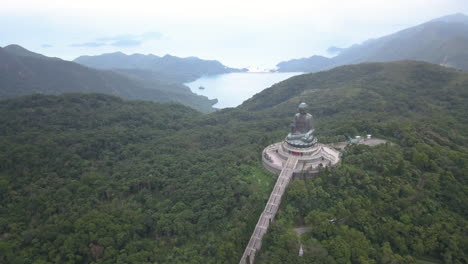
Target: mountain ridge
[17,50]
[442,41]
[188,69]
[29,73]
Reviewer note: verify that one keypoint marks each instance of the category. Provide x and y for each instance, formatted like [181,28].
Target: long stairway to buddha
[255,242]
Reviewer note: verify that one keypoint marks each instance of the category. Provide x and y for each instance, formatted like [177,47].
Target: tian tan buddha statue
[302,129]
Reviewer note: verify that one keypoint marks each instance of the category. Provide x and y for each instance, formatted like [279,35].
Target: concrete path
[369,142]
[302,230]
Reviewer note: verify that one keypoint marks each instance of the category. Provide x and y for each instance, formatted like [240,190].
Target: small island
[201,88]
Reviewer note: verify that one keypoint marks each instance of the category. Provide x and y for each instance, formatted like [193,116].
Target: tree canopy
[97,179]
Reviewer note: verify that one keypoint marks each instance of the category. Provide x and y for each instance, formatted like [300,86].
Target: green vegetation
[139,181]
[95,179]
[389,204]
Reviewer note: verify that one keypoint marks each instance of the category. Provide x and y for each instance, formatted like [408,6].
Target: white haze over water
[234,88]
[239,33]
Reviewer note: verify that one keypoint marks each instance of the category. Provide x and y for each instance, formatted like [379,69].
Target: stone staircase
[255,242]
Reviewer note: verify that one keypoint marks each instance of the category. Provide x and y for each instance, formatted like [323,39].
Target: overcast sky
[239,33]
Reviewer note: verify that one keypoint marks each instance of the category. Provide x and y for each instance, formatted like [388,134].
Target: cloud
[151,35]
[46,46]
[116,38]
[126,43]
[125,40]
[130,37]
[88,45]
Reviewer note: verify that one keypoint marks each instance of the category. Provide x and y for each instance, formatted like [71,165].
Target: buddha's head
[302,108]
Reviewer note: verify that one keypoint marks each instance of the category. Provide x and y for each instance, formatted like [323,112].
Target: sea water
[232,89]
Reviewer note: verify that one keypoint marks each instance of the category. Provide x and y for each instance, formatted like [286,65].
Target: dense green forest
[396,203]
[138,180]
[96,179]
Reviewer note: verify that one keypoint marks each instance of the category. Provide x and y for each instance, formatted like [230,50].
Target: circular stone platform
[310,160]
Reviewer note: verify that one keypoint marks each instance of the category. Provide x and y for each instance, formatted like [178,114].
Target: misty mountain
[442,41]
[312,64]
[23,72]
[334,50]
[20,51]
[182,69]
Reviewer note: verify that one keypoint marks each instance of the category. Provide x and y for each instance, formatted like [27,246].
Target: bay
[232,89]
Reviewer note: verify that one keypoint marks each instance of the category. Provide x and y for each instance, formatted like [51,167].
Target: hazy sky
[239,33]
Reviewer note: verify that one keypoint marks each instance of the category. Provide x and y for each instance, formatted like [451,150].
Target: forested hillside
[23,72]
[396,203]
[95,179]
[92,178]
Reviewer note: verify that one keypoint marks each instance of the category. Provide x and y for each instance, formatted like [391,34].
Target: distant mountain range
[23,72]
[169,67]
[442,41]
